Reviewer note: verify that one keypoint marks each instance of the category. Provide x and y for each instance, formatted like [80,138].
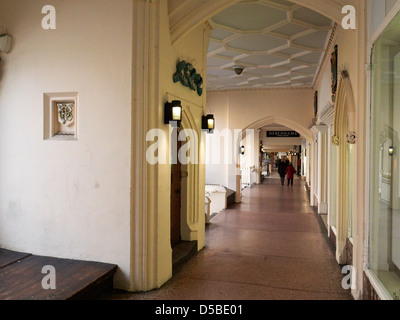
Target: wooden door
[176,201]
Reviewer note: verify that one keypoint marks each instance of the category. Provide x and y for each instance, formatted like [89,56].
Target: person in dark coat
[277,163]
[290,171]
[282,171]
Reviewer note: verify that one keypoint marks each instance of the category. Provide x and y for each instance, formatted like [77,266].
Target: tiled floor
[268,247]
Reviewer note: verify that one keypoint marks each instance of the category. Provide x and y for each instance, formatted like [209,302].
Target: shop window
[384,229]
[333,188]
[350,184]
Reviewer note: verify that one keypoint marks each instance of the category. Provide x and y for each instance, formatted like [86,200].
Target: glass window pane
[350,184]
[384,238]
[333,187]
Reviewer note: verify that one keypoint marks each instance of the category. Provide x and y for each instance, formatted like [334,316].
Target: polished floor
[269,247]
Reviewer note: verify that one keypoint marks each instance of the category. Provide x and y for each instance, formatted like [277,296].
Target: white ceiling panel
[277,42]
[215,46]
[263,59]
[310,16]
[290,29]
[266,72]
[219,34]
[315,40]
[229,54]
[249,16]
[288,4]
[217,62]
[256,43]
[310,58]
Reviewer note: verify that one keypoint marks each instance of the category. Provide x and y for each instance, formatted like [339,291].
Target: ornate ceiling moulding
[327,53]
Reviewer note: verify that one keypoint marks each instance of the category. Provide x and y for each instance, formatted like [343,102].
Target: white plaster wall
[218,157]
[67,199]
[324,87]
[294,105]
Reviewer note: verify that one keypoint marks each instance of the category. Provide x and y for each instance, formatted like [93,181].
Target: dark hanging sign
[283,134]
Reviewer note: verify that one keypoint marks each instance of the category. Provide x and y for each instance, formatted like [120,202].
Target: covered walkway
[268,247]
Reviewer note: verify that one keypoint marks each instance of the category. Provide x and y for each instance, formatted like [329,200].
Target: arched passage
[186,15]
[282,121]
[273,119]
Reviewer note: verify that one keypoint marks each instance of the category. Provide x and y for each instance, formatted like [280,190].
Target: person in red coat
[290,171]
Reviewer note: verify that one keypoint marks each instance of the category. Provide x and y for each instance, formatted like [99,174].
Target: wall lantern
[242,150]
[208,123]
[391,151]
[173,113]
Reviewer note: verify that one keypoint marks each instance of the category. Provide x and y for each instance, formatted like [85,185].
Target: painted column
[146,271]
[311,172]
[142,239]
[323,168]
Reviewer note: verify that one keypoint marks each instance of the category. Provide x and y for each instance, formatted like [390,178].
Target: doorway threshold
[182,252]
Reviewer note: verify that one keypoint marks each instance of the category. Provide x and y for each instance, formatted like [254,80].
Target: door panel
[176,201]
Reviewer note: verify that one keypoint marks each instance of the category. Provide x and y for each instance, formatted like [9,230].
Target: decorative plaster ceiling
[279,44]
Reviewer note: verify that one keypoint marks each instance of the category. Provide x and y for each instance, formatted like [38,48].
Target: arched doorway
[190,191]
[344,137]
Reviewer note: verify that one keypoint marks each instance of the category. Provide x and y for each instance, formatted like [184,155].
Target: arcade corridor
[268,247]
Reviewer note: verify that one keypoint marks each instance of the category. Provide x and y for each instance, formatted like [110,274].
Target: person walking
[282,171]
[290,171]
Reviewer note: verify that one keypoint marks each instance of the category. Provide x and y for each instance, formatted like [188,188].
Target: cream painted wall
[351,57]
[68,199]
[191,49]
[324,87]
[295,105]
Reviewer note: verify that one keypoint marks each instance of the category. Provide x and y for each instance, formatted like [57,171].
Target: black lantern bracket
[208,123]
[173,113]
